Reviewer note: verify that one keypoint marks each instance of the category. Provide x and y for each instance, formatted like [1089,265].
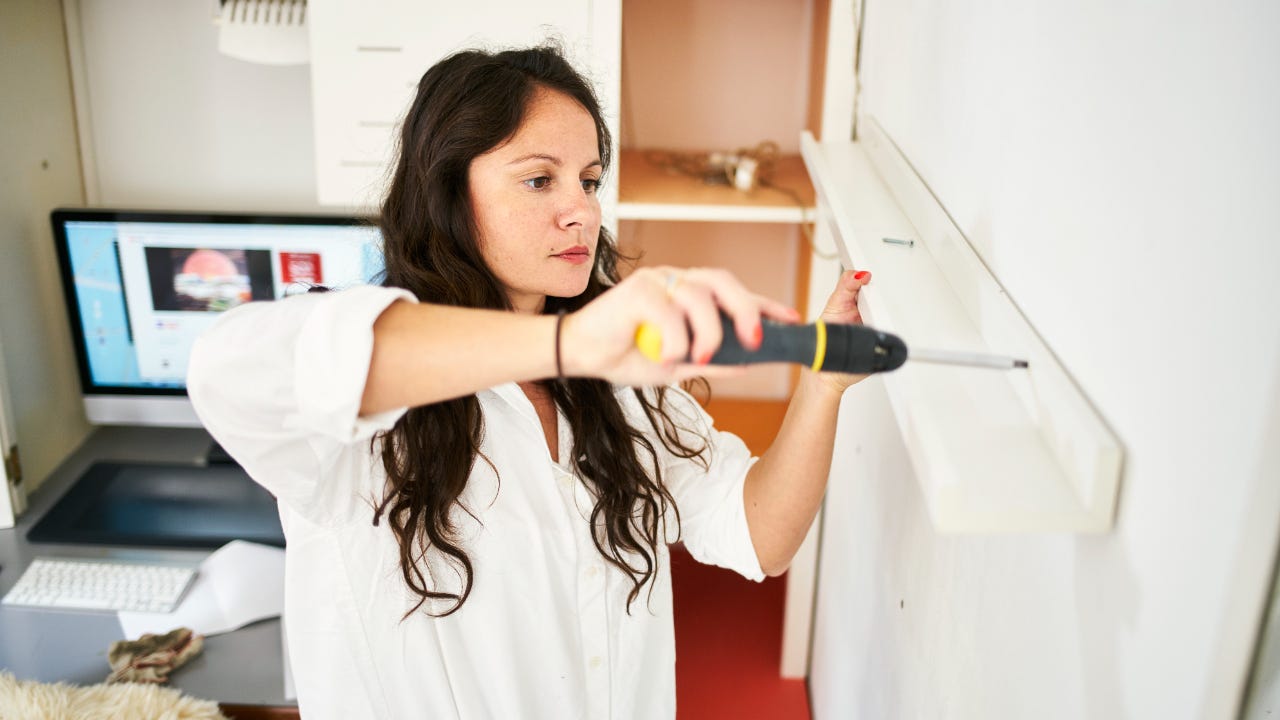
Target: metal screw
[896,241]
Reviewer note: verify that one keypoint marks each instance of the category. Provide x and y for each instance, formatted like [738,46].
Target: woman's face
[534,202]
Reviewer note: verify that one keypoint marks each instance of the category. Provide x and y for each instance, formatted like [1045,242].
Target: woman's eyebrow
[551,159]
[537,156]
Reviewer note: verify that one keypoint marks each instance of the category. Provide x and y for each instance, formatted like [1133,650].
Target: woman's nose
[576,207]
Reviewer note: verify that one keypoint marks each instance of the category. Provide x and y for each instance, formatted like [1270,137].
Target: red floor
[729,645]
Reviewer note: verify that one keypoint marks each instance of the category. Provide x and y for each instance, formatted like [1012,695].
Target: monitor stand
[218,456]
[163,505]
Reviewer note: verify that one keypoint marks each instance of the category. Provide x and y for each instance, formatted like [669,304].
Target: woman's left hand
[842,308]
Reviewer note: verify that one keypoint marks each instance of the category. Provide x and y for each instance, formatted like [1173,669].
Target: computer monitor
[140,286]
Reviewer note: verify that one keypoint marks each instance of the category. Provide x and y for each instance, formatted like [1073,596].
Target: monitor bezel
[59,217]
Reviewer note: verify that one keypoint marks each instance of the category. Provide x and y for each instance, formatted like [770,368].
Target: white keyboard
[76,584]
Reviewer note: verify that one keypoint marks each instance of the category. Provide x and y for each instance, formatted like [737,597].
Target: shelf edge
[712,213]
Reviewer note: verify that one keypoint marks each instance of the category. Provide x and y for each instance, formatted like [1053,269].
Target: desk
[244,667]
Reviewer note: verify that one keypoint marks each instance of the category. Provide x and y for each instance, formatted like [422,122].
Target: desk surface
[243,667]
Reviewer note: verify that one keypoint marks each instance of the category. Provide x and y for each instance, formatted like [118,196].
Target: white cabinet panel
[367,58]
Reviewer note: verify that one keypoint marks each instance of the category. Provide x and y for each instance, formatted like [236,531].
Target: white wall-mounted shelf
[993,450]
[648,192]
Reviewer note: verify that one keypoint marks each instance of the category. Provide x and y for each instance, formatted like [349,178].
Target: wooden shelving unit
[719,75]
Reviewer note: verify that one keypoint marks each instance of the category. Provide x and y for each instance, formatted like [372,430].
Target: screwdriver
[825,347]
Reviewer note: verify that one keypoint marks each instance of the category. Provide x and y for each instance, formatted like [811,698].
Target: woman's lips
[576,255]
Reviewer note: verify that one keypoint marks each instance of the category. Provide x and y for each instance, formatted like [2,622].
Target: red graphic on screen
[300,267]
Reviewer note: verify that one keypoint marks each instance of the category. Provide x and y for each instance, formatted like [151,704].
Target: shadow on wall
[1262,694]
[1108,599]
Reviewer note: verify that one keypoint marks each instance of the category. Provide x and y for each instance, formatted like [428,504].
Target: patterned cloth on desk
[151,658]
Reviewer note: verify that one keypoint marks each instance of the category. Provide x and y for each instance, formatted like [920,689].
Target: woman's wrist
[568,348]
[824,387]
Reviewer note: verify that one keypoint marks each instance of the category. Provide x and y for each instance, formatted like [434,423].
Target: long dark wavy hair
[466,105]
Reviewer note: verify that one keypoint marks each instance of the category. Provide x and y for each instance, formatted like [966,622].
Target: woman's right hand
[684,305]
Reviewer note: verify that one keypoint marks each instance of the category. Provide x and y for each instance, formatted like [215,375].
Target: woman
[476,501]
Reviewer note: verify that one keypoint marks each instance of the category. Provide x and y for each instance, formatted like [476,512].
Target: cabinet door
[368,55]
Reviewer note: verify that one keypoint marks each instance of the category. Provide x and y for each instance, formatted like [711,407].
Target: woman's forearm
[784,489]
[428,353]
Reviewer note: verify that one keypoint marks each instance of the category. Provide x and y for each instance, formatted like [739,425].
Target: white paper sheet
[240,583]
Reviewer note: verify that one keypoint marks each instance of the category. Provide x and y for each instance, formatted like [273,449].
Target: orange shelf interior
[755,421]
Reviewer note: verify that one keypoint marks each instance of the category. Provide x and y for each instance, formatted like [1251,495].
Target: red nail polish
[758,336]
[706,358]
[861,275]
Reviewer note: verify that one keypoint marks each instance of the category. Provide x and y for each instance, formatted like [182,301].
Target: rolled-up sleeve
[279,385]
[713,516]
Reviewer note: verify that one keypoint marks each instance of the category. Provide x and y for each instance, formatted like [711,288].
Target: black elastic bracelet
[559,322]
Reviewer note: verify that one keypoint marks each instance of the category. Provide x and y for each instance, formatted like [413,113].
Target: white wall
[1264,684]
[174,124]
[1118,167]
[39,170]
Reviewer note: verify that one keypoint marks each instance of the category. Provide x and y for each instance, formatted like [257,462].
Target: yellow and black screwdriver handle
[821,346]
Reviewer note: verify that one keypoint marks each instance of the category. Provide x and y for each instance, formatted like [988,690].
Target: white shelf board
[993,450]
[713,213]
[649,190]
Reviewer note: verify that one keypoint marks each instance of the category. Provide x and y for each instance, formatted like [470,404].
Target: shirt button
[591,571]
[566,480]
[595,662]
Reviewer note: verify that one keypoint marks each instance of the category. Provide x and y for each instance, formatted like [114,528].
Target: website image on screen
[208,280]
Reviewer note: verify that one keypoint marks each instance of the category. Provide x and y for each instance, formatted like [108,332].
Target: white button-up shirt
[546,631]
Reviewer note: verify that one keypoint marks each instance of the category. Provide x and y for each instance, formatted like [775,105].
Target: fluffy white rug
[29,700]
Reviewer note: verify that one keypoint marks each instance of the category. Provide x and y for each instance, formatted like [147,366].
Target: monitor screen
[140,286]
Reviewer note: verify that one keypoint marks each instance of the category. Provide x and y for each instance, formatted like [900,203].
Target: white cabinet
[368,55]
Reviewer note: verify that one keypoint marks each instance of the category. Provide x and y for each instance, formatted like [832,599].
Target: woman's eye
[590,185]
[538,183]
